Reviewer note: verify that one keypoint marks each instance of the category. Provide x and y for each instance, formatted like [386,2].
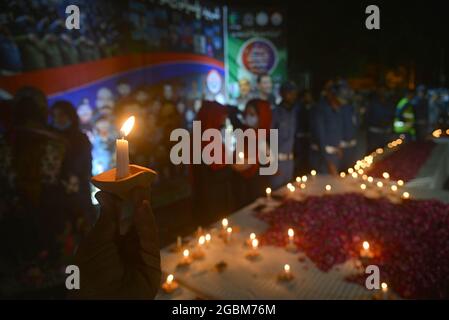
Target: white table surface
[246,279]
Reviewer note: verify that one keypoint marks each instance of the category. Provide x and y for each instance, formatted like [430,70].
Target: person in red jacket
[248,184]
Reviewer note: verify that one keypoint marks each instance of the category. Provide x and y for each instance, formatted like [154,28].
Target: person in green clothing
[404,122]
[30,46]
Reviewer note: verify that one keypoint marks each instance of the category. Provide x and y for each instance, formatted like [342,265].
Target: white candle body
[122,158]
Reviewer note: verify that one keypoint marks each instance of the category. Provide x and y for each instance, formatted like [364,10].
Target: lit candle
[363,186]
[122,150]
[253,253]
[342,174]
[304,178]
[394,188]
[298,180]
[199,252]
[224,223]
[186,259]
[289,185]
[400,183]
[350,170]
[370,179]
[360,171]
[313,173]
[384,287]
[380,151]
[364,177]
[406,195]
[170,284]
[354,175]
[252,236]
[292,189]
[303,185]
[366,252]
[291,236]
[328,187]
[207,237]
[228,234]
[379,184]
[386,175]
[286,274]
[268,192]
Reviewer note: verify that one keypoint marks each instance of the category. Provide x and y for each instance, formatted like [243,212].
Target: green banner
[256,44]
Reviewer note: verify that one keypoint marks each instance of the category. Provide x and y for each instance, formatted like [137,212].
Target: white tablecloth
[247,279]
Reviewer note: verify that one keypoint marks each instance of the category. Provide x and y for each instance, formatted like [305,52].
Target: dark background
[329,38]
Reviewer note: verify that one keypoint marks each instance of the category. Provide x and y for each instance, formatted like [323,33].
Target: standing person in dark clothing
[326,133]
[421,106]
[302,141]
[77,167]
[31,159]
[379,120]
[284,120]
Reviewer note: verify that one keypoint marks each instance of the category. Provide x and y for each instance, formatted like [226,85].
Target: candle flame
[313,172]
[255,243]
[127,126]
[298,179]
[170,278]
[201,240]
[328,187]
[304,178]
[186,253]
[225,222]
[208,237]
[384,286]
[252,236]
[268,190]
[291,233]
[365,245]
[286,267]
[229,230]
[400,183]
[386,175]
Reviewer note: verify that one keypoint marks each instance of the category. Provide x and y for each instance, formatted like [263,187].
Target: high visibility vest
[404,120]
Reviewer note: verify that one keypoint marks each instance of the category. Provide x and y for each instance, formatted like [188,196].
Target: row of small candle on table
[171,285]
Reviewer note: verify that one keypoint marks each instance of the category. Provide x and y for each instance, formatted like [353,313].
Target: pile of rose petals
[405,162]
[410,240]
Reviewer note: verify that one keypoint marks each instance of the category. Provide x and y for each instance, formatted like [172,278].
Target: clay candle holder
[122,188]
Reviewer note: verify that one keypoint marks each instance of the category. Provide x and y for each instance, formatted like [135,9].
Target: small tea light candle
[365,252]
[342,174]
[170,284]
[350,171]
[328,187]
[291,236]
[394,188]
[199,252]
[360,171]
[370,179]
[379,184]
[303,185]
[384,287]
[363,186]
[354,175]
[406,195]
[400,183]
[186,259]
[207,237]
[304,178]
[313,173]
[224,223]
[298,181]
[289,185]
[268,192]
[228,234]
[386,175]
[286,274]
[249,241]
[364,177]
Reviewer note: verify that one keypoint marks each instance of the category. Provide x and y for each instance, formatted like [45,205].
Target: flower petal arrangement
[409,240]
